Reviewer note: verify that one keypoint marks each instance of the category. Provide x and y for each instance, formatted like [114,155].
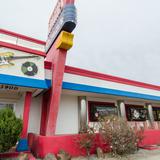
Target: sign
[100,110]
[56,13]
[136,113]
[11,88]
[8,87]
[21,64]
[63,18]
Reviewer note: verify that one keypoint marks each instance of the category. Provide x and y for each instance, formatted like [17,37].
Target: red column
[45,106]
[27,104]
[57,78]
[69,1]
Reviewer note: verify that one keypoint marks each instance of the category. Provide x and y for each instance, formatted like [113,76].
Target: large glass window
[101,109]
[136,113]
[156,113]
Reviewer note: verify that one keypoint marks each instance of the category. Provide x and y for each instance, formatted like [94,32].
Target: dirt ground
[140,155]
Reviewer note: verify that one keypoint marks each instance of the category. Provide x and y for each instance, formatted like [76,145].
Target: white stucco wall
[67,122]
[35,113]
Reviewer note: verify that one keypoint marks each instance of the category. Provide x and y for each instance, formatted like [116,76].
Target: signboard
[8,88]
[99,110]
[63,18]
[136,113]
[21,64]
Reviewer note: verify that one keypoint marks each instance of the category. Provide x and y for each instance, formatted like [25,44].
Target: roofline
[106,77]
[22,36]
[20,48]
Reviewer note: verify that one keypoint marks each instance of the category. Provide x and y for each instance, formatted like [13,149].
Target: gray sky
[118,37]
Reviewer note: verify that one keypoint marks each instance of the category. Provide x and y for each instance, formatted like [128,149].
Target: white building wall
[35,113]
[67,122]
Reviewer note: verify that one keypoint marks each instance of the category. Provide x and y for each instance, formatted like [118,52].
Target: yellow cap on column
[64,40]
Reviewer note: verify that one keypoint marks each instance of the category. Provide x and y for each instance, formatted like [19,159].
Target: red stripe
[91,74]
[47,65]
[69,1]
[24,49]
[22,36]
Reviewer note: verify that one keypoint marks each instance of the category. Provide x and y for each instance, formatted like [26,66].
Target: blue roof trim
[99,90]
[22,81]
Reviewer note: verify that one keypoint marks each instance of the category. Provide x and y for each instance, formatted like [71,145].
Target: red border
[24,49]
[22,36]
[106,77]
[97,103]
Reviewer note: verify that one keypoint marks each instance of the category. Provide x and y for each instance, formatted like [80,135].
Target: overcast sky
[118,37]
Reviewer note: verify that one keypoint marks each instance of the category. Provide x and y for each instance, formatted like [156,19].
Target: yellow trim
[64,40]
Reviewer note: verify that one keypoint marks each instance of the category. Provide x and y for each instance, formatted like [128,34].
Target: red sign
[55,14]
[63,18]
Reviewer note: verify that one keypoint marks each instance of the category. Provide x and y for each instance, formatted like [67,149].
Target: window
[100,109]
[156,113]
[136,113]
[6,105]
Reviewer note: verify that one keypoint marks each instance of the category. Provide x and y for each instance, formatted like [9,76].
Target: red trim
[24,49]
[106,77]
[47,65]
[22,37]
[91,74]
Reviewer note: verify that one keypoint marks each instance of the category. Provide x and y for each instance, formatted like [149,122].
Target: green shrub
[119,135]
[10,129]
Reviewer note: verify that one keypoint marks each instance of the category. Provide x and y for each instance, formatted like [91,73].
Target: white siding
[35,113]
[67,122]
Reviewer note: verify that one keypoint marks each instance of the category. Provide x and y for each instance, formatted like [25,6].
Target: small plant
[10,129]
[86,140]
[119,135]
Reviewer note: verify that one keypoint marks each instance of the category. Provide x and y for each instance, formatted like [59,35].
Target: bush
[10,129]
[86,139]
[119,135]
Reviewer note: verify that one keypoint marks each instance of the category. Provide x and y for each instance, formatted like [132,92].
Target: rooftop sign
[63,18]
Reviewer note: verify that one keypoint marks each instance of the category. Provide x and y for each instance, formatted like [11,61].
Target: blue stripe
[23,82]
[86,88]
[48,82]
